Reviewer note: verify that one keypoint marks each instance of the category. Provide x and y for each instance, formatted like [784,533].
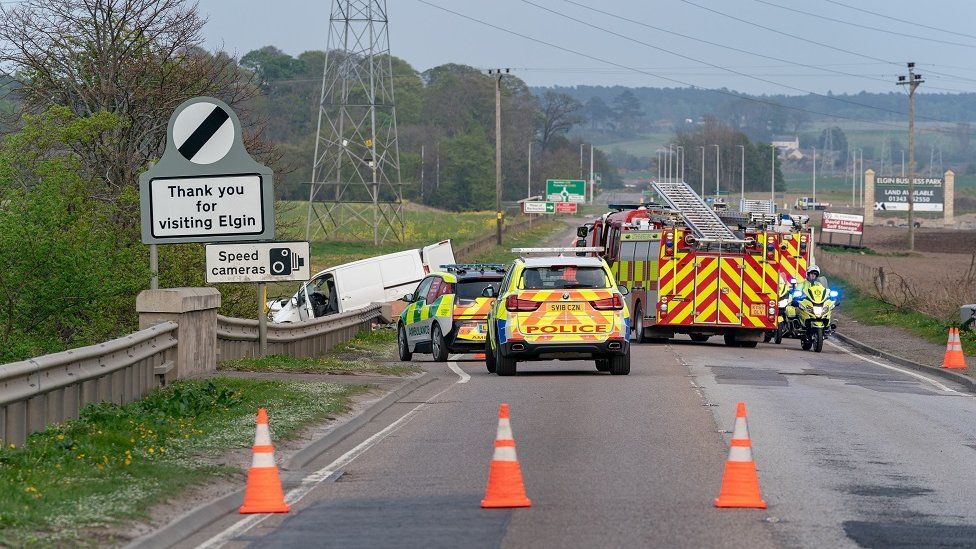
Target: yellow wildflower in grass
[12,446]
[61,437]
[152,450]
[128,461]
[30,490]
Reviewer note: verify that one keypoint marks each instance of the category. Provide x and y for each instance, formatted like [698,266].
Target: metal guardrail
[54,388]
[238,337]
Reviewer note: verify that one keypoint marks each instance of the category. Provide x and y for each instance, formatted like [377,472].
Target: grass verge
[535,236]
[73,480]
[367,353]
[874,312]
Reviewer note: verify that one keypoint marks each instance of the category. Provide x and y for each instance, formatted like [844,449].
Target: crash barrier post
[54,388]
[238,337]
[740,482]
[195,311]
[263,492]
[505,487]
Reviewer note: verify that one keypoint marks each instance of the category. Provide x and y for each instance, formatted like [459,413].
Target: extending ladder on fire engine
[700,218]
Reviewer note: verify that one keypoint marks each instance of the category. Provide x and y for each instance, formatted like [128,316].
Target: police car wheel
[489,358]
[505,366]
[403,348]
[620,364]
[438,347]
[602,365]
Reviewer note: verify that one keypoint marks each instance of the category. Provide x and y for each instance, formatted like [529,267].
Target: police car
[558,308]
[447,312]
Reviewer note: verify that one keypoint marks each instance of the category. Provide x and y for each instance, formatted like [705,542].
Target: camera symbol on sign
[283,261]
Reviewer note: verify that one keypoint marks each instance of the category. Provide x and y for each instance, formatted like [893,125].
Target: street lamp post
[814,175]
[680,171]
[742,178]
[718,154]
[703,172]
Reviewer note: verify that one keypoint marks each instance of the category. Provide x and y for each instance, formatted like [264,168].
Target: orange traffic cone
[954,359]
[263,493]
[505,487]
[740,483]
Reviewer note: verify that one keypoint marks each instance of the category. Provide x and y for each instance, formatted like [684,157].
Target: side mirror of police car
[408,298]
[623,290]
[488,292]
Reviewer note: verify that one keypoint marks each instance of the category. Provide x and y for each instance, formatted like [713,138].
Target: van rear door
[400,273]
[437,255]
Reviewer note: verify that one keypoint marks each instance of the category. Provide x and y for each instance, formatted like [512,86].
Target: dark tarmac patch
[878,491]
[742,375]
[910,534]
[871,378]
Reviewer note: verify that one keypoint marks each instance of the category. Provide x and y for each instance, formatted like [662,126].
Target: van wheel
[403,348]
[620,364]
[602,365]
[438,347]
[489,357]
[505,366]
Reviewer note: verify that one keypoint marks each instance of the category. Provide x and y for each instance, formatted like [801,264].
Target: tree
[597,112]
[627,109]
[560,113]
[138,59]
[270,63]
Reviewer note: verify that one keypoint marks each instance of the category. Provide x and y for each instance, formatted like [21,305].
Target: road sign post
[207,188]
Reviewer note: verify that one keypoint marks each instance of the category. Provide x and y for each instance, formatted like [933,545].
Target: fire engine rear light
[514,304]
[664,306]
[613,303]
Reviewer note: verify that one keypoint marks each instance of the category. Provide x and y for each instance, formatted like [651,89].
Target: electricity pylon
[356,189]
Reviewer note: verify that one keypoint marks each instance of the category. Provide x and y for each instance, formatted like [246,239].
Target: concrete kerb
[201,516]
[967,382]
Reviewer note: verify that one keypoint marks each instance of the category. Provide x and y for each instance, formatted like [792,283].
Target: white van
[355,285]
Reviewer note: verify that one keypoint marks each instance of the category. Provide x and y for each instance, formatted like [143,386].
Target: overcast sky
[426,37]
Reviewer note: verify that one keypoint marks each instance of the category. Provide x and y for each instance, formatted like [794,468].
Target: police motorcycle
[784,326]
[810,315]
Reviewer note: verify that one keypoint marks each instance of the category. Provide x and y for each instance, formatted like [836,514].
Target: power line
[815,42]
[713,65]
[674,80]
[913,23]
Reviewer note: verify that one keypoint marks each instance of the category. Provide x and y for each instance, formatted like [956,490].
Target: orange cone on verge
[505,487]
[740,483]
[263,493]
[954,359]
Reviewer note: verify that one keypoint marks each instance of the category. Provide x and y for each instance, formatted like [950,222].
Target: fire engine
[688,271]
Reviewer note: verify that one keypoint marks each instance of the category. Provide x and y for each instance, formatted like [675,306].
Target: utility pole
[703,172]
[658,165]
[528,185]
[852,154]
[498,152]
[772,177]
[421,173]
[592,185]
[860,176]
[681,161]
[913,81]
[581,161]
[742,178]
[718,154]
[814,175]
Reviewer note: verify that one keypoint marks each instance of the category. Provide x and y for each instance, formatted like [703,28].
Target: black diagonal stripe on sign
[203,133]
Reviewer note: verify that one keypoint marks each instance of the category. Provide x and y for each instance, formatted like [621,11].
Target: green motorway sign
[566,190]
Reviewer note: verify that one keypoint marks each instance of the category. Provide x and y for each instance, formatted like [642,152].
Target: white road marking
[927,379]
[453,365]
[311,481]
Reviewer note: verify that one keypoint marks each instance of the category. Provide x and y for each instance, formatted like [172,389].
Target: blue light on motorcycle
[834,293]
[798,293]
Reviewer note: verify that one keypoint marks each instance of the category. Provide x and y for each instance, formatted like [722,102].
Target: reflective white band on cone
[741,430]
[504,430]
[740,453]
[263,459]
[504,453]
[262,437]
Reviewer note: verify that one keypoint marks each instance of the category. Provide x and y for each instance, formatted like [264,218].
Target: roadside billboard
[842,223]
[891,194]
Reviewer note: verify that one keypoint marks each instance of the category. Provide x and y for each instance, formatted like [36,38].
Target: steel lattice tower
[356,188]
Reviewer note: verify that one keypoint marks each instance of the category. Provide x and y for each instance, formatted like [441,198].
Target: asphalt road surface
[849,451]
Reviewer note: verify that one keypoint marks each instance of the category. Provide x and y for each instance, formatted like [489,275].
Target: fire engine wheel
[778,338]
[438,347]
[602,365]
[768,336]
[505,366]
[699,338]
[730,340]
[638,336]
[403,348]
[749,344]
[620,364]
[489,358]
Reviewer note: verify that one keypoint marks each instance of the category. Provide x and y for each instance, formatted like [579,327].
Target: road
[849,451]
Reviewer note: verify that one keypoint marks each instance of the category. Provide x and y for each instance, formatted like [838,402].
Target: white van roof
[369,260]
